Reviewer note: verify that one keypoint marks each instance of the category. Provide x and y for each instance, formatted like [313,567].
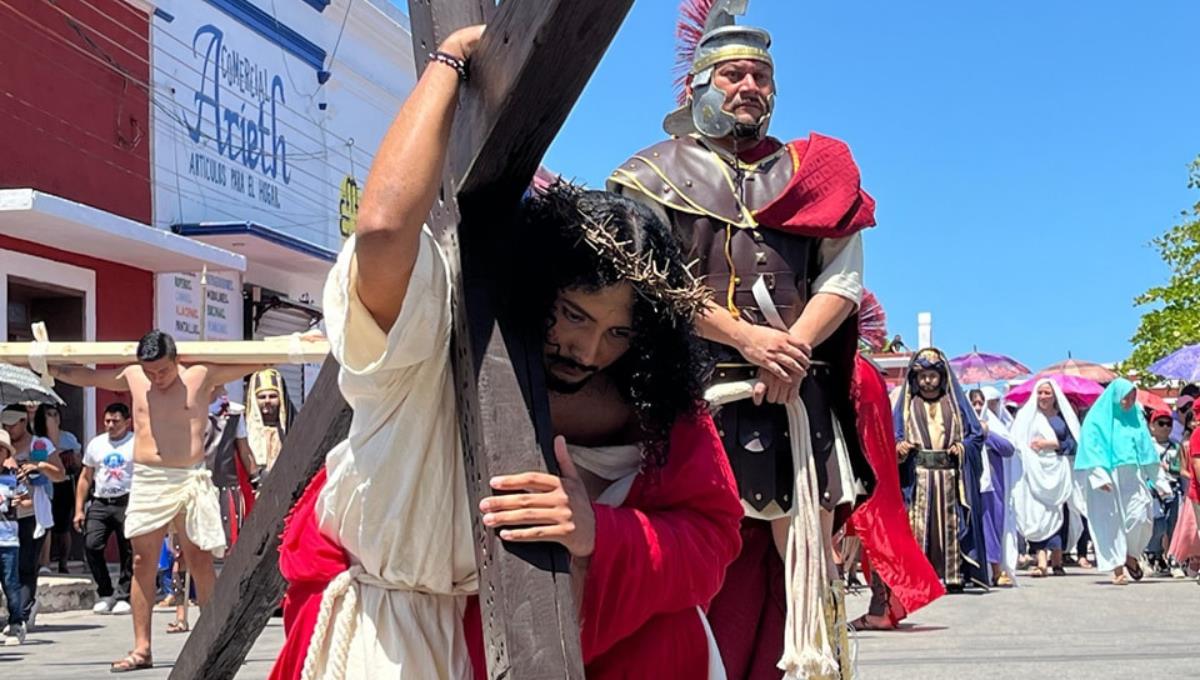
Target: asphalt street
[1075,626]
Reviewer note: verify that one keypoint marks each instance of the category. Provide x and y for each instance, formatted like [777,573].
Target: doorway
[62,310]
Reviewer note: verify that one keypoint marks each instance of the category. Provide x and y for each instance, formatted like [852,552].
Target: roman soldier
[775,229]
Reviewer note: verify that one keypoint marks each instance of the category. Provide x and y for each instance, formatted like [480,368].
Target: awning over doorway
[263,246]
[56,222]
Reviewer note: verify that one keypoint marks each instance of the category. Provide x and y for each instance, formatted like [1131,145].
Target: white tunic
[1120,520]
[396,495]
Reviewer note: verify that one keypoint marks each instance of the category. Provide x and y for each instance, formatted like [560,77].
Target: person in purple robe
[993,485]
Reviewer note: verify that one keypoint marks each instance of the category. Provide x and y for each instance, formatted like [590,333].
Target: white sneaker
[121,607]
[104,605]
[14,636]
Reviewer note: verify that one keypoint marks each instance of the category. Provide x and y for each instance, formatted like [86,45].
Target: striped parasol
[1082,369]
[20,385]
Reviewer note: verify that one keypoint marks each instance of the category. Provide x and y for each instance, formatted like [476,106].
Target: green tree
[1172,317]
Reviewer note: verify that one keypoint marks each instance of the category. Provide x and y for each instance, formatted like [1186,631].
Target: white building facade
[266,116]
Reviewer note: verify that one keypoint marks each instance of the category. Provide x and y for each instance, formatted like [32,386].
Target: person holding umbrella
[1122,466]
[38,467]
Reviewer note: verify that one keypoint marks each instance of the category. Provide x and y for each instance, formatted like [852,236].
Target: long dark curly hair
[663,373]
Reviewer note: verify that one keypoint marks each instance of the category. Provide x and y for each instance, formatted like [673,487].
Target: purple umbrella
[1080,391]
[1182,364]
[978,367]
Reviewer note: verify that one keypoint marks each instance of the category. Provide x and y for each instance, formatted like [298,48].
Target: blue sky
[1022,154]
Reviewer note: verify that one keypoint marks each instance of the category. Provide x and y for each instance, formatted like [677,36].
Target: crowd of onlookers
[56,493]
[53,490]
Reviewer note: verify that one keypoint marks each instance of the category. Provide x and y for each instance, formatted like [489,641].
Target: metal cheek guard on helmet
[703,112]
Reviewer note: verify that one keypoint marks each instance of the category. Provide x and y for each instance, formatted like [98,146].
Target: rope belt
[339,605]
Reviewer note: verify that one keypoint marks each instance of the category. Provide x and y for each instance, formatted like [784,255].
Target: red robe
[657,557]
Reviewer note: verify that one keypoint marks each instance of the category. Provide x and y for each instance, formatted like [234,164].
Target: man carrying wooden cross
[378,551]
[171,482]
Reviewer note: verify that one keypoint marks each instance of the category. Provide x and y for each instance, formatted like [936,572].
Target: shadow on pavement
[60,628]
[916,628]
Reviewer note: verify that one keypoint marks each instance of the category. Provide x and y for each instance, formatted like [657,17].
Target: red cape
[248,498]
[882,522]
[824,198]
[657,557]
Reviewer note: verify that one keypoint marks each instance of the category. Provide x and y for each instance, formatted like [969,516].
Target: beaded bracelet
[452,61]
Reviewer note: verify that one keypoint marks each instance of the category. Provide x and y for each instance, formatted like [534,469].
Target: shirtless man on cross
[171,483]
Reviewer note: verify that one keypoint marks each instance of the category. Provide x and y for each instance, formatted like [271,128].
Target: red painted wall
[124,300]
[74,108]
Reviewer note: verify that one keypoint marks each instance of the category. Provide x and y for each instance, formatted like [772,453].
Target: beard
[560,386]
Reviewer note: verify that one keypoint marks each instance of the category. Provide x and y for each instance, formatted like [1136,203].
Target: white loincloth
[159,494]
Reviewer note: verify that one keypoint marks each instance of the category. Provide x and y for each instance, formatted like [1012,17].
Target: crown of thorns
[650,279]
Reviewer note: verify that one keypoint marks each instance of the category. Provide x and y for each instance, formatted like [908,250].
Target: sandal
[1083,563]
[177,626]
[133,661]
[1135,570]
[1058,571]
[1037,572]
[864,623]
[1121,580]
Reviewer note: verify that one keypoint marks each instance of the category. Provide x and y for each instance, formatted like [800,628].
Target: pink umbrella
[978,367]
[1081,392]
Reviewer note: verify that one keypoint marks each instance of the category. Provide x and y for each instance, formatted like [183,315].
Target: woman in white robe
[1045,432]
[1122,467]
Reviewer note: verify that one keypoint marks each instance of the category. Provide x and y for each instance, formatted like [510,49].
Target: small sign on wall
[179,311]
[348,207]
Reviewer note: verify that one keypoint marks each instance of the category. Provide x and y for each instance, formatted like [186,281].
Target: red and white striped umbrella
[1082,369]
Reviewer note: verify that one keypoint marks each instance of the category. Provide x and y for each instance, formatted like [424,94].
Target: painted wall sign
[244,131]
[237,134]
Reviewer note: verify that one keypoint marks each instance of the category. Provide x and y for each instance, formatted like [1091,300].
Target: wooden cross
[529,69]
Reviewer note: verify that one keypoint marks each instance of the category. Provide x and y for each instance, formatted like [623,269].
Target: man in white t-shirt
[108,461]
